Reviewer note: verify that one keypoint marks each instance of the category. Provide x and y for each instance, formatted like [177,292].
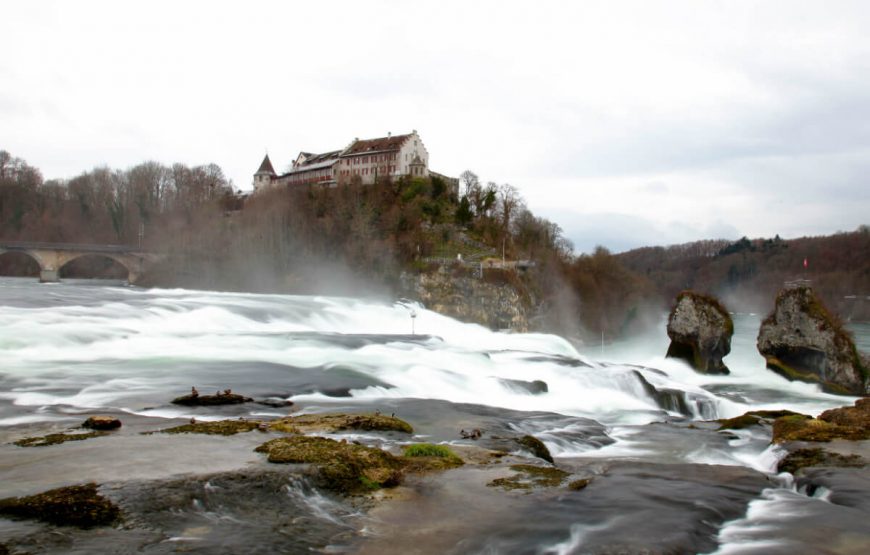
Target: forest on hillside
[357,239]
[746,274]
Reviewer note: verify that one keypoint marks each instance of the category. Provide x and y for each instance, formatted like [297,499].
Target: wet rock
[80,506]
[536,447]
[753,418]
[221,427]
[535,387]
[805,428]
[801,340]
[340,466]
[275,402]
[580,484]
[102,423]
[327,423]
[700,330]
[852,423]
[226,397]
[55,439]
[672,400]
[803,458]
[854,416]
[528,477]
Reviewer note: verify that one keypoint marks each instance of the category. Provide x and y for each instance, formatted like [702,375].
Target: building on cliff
[362,160]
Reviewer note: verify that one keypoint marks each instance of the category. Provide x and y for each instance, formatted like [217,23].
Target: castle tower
[264,176]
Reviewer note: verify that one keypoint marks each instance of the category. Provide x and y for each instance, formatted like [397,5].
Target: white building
[362,160]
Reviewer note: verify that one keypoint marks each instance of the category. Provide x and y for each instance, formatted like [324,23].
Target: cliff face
[801,341]
[700,330]
[470,299]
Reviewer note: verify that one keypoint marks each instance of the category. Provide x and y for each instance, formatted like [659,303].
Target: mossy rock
[529,477]
[805,428]
[753,418]
[580,484]
[802,340]
[220,427]
[80,506]
[327,423]
[102,423]
[803,458]
[536,447]
[55,439]
[857,416]
[343,467]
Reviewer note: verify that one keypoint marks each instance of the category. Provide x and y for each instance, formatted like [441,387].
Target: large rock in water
[802,341]
[700,330]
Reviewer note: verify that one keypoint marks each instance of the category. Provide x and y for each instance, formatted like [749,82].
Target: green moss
[752,418]
[341,466]
[804,428]
[424,457]
[429,450]
[803,458]
[221,427]
[308,423]
[536,446]
[529,476]
[54,439]
[80,506]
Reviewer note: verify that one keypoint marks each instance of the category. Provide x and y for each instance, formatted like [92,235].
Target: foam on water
[111,346]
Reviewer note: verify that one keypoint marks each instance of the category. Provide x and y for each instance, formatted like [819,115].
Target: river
[79,348]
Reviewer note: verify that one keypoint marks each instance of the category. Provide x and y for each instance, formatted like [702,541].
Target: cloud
[667,118]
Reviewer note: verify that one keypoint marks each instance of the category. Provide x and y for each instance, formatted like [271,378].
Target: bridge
[51,257]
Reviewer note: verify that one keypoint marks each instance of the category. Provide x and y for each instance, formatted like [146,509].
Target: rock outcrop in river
[700,330]
[471,299]
[802,341]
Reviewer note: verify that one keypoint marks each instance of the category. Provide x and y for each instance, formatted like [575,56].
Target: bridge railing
[27,245]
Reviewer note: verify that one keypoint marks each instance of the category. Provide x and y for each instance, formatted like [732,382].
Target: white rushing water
[98,346]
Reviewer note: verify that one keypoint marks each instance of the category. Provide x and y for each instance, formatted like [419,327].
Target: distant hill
[746,274]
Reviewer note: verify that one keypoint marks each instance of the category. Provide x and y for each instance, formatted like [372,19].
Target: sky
[627,123]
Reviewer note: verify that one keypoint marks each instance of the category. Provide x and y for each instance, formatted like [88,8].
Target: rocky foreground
[377,483]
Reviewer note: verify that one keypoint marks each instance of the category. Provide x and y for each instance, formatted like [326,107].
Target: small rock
[102,423]
[536,446]
[80,506]
[194,399]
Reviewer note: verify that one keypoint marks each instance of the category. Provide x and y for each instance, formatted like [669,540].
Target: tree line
[354,237]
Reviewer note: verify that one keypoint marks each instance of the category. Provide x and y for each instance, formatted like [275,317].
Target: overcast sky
[627,123]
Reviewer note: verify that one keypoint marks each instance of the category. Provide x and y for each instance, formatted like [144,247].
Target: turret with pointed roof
[263,177]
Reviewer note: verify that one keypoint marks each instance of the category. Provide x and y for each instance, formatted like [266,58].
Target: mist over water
[74,348]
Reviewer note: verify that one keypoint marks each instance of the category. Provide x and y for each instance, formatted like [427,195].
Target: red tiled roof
[382,144]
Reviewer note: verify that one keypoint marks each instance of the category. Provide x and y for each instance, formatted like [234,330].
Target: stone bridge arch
[51,258]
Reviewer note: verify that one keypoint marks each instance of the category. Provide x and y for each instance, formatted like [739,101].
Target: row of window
[366,159]
[367,171]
